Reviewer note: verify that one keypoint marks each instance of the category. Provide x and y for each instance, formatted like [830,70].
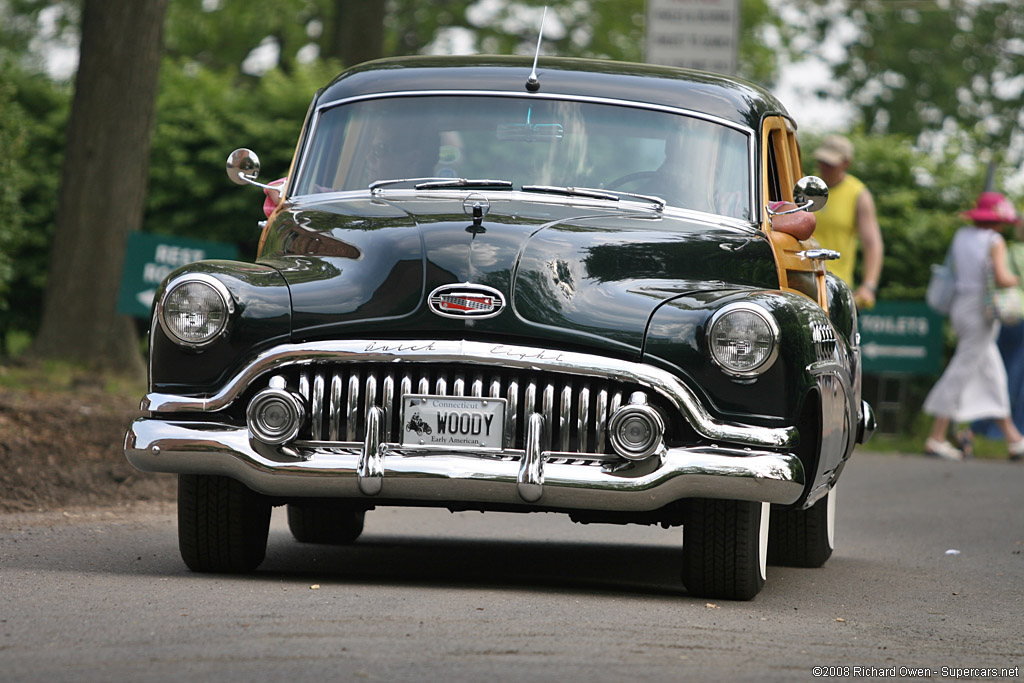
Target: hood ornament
[476,205]
[466,300]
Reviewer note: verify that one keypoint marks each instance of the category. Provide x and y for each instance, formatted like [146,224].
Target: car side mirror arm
[243,167]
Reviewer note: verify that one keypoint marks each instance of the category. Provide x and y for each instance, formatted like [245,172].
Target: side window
[774,186]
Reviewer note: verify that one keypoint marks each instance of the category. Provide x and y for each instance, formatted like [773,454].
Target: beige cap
[834,150]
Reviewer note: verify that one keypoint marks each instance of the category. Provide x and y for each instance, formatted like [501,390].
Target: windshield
[689,162]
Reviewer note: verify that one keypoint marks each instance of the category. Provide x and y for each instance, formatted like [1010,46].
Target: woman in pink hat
[974,385]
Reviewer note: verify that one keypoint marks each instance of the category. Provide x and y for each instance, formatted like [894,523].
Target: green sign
[902,337]
[149,258]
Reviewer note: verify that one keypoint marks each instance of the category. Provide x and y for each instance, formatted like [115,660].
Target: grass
[54,376]
[912,441]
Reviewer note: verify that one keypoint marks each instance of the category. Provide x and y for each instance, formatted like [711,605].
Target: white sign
[695,34]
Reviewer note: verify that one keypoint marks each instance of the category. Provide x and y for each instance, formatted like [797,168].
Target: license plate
[453,421]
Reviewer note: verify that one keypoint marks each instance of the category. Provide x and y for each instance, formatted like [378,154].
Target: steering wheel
[631,177]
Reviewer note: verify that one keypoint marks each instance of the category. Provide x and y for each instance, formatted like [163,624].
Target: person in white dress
[974,385]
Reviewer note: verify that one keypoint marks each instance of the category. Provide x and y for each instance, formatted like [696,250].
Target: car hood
[576,274]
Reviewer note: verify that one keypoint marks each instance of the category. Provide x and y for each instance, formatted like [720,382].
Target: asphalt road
[426,595]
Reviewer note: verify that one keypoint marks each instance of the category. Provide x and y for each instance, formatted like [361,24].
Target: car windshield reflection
[449,141]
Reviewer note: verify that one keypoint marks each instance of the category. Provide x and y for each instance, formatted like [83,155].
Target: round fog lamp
[636,431]
[275,416]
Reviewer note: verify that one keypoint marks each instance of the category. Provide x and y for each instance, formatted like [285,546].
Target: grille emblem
[466,301]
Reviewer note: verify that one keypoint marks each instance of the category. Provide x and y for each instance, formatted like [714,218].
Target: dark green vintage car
[575,291]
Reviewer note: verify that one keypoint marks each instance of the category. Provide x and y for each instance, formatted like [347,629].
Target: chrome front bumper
[379,470]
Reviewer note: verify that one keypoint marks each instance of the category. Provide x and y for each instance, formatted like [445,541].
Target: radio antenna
[533,83]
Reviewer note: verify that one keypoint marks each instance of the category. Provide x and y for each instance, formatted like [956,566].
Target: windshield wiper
[653,199]
[433,184]
[377,184]
[610,195]
[572,192]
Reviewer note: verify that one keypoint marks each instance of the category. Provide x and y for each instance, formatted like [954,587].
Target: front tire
[725,547]
[323,523]
[222,524]
[803,538]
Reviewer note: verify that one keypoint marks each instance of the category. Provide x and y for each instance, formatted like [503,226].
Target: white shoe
[1016,450]
[942,449]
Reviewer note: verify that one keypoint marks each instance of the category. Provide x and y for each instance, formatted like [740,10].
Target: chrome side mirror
[243,167]
[810,193]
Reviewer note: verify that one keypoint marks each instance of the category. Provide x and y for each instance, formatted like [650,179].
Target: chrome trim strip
[548,410]
[705,472]
[318,406]
[583,419]
[518,95]
[483,354]
[512,412]
[387,396]
[564,411]
[334,429]
[352,406]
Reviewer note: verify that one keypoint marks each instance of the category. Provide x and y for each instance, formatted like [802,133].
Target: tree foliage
[12,148]
[202,115]
[211,99]
[351,31]
[932,70]
[32,116]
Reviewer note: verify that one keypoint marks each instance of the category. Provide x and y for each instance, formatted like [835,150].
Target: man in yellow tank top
[848,216]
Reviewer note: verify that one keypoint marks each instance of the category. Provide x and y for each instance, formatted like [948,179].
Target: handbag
[942,285]
[1006,304]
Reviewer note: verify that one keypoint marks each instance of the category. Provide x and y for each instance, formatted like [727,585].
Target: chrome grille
[576,410]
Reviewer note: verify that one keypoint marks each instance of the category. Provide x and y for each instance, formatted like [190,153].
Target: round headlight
[743,339]
[195,310]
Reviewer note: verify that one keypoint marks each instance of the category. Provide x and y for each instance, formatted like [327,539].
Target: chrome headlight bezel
[221,310]
[769,339]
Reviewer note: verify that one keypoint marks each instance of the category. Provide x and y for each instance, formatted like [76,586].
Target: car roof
[731,99]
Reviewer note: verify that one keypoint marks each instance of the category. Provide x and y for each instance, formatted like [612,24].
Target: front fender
[677,336]
[813,383]
[262,318]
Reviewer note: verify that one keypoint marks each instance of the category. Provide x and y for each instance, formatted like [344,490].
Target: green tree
[221,35]
[207,103]
[202,115]
[33,112]
[103,184]
[935,71]
[13,140]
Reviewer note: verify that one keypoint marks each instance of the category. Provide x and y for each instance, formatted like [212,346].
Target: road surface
[928,574]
